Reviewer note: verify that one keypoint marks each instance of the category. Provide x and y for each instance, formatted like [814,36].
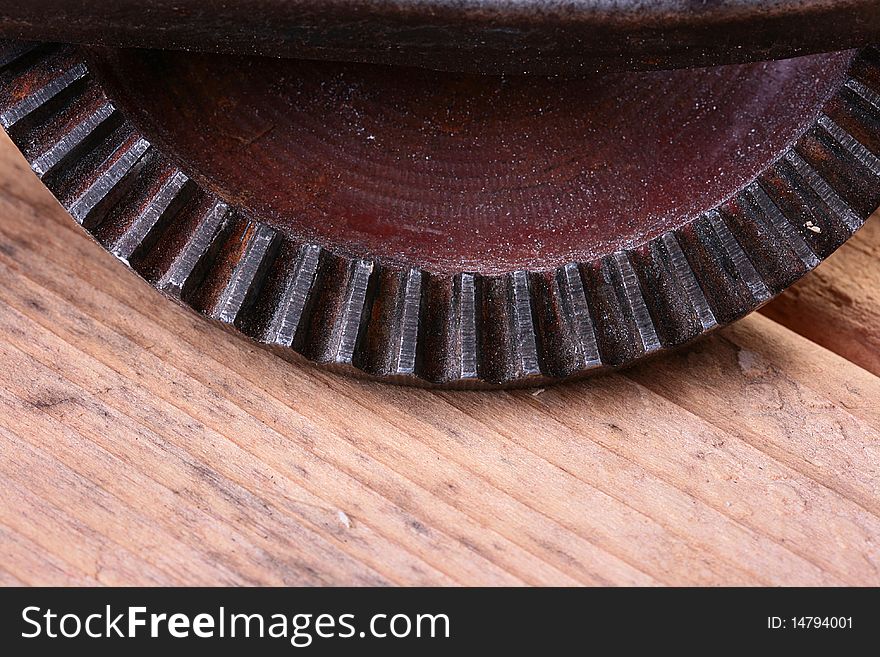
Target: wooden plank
[140,444]
[838,306]
[25,562]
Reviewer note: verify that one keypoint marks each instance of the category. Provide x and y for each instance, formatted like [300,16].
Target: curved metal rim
[411,326]
[487,36]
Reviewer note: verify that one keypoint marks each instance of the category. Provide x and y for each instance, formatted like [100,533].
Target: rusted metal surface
[452,229]
[456,172]
[544,36]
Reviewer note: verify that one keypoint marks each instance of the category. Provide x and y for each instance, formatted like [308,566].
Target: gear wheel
[408,320]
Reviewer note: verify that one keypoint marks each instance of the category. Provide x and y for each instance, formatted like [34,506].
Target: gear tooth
[295,287]
[742,267]
[560,353]
[493,353]
[761,210]
[557,323]
[841,171]
[624,327]
[851,145]
[376,354]
[672,295]
[109,181]
[436,354]
[74,137]
[856,111]
[37,90]
[686,280]
[820,226]
[524,337]
[198,249]
[254,256]
[725,286]
[63,128]
[633,301]
[390,338]
[507,343]
[616,337]
[159,209]
[867,94]
[407,313]
[447,343]
[408,320]
[466,323]
[821,189]
[353,312]
[206,294]
[313,336]
[771,255]
[339,310]
[573,301]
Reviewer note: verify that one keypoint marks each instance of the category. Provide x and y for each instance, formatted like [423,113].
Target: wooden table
[140,444]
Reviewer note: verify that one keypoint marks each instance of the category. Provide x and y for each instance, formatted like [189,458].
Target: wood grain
[140,444]
[839,306]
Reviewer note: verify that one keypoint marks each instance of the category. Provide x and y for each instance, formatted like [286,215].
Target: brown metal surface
[541,36]
[454,229]
[454,172]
